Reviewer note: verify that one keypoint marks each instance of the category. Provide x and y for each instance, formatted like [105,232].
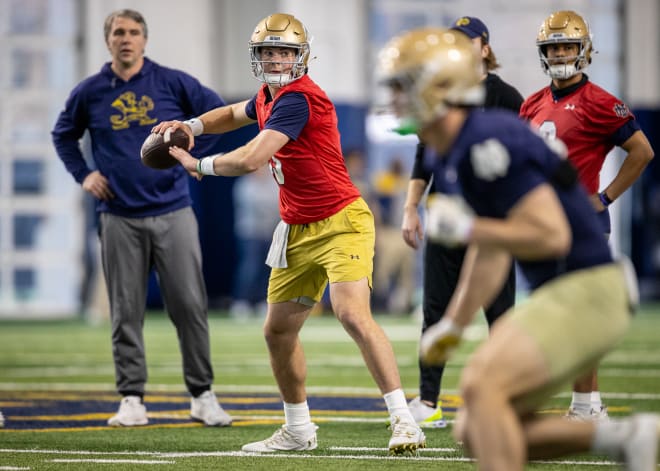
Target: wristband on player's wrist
[205,165]
[604,199]
[195,125]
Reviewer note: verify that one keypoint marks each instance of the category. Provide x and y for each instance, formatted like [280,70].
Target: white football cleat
[407,437]
[206,409]
[131,412]
[285,440]
[593,414]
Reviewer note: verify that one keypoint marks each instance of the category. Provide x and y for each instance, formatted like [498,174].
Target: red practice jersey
[310,171]
[585,120]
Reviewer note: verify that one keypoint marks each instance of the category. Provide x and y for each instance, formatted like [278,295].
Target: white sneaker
[407,437]
[131,412]
[206,409]
[426,416]
[285,440]
[640,448]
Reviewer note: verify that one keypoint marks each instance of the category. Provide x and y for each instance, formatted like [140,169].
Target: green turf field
[56,392]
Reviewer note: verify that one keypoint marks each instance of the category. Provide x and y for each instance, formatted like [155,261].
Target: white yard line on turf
[113,461]
[170,455]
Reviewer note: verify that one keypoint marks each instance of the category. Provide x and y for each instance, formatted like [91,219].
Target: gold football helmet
[429,70]
[565,27]
[280,30]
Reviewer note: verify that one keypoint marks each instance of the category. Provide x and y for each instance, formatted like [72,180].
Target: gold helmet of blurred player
[428,70]
[280,30]
[564,27]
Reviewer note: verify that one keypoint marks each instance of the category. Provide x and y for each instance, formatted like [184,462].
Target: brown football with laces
[155,148]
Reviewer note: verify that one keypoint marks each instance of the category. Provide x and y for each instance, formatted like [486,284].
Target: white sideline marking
[279,455]
[12,468]
[113,461]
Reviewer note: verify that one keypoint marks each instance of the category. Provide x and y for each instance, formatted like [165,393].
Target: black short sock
[140,394]
[196,392]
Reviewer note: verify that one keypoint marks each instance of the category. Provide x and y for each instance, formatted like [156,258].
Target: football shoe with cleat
[407,437]
[286,440]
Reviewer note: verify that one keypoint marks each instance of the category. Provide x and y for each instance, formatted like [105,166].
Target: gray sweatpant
[130,247]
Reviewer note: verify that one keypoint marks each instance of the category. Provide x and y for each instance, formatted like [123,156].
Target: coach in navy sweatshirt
[146,218]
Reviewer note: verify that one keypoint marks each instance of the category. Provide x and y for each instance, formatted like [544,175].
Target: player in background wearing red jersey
[590,122]
[326,233]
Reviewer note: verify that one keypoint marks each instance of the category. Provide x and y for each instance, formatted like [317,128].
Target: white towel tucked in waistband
[276,257]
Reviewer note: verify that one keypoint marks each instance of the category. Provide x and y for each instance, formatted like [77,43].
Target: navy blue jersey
[289,116]
[119,115]
[495,161]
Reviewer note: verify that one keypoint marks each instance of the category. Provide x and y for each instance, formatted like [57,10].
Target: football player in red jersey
[590,122]
[326,233]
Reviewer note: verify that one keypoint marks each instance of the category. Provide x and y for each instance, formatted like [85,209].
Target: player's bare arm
[242,160]
[226,118]
[411,226]
[219,120]
[535,228]
[639,155]
[482,276]
[252,155]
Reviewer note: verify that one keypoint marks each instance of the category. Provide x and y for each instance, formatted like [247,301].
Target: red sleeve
[607,112]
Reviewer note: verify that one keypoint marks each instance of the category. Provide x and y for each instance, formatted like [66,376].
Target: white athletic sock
[581,402]
[297,415]
[609,436]
[596,402]
[397,405]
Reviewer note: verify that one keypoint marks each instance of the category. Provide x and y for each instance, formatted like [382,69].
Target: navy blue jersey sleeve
[624,132]
[251,108]
[290,115]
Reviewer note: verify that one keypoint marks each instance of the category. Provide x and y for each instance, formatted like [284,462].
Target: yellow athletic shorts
[335,249]
[575,319]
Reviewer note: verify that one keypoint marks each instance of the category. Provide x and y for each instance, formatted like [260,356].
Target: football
[155,149]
